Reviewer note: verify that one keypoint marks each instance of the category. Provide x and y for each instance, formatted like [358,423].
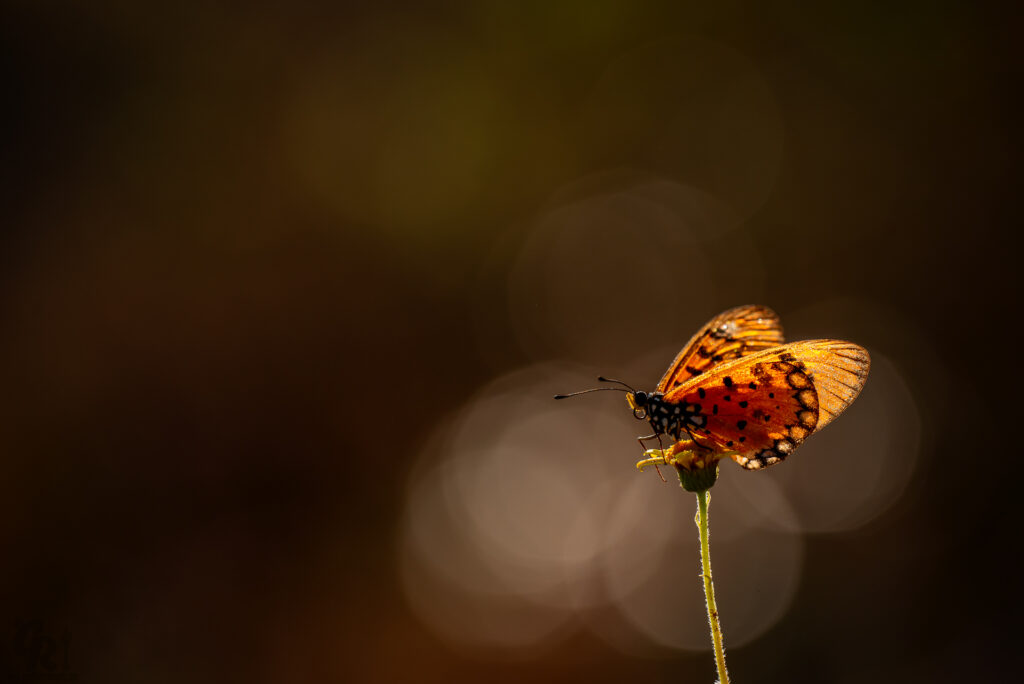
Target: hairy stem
[703,501]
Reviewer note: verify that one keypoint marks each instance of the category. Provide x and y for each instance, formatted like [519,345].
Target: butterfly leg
[685,442]
[658,457]
[691,454]
[656,435]
[643,439]
[655,457]
[648,437]
[682,452]
[693,439]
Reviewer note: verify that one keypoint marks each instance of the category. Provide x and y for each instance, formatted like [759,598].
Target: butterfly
[736,389]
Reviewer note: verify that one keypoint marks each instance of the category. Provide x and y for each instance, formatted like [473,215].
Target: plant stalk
[703,501]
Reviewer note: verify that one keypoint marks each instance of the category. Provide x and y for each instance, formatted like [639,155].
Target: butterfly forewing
[764,405]
[729,335]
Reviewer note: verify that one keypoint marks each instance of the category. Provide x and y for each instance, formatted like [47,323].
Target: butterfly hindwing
[839,371]
[764,405]
[729,335]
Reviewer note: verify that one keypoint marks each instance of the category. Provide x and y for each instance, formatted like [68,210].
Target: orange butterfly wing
[729,335]
[765,405]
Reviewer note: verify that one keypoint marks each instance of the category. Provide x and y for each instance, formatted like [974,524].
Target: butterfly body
[672,418]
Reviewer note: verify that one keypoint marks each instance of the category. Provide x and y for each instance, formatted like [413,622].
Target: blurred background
[285,292]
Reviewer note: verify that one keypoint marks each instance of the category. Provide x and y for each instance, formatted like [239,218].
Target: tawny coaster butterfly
[736,390]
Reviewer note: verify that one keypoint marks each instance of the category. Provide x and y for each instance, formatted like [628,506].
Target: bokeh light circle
[612,260]
[653,574]
[519,513]
[719,126]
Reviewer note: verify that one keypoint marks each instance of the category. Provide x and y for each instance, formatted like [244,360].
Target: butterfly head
[637,401]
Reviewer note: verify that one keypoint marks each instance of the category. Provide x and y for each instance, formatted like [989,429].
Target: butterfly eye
[640,398]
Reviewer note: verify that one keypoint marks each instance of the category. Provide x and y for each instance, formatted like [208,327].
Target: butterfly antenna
[587,391]
[601,378]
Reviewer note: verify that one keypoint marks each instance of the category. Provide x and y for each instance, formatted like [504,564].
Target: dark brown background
[252,255]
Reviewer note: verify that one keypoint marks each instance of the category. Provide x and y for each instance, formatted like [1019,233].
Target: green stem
[703,501]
